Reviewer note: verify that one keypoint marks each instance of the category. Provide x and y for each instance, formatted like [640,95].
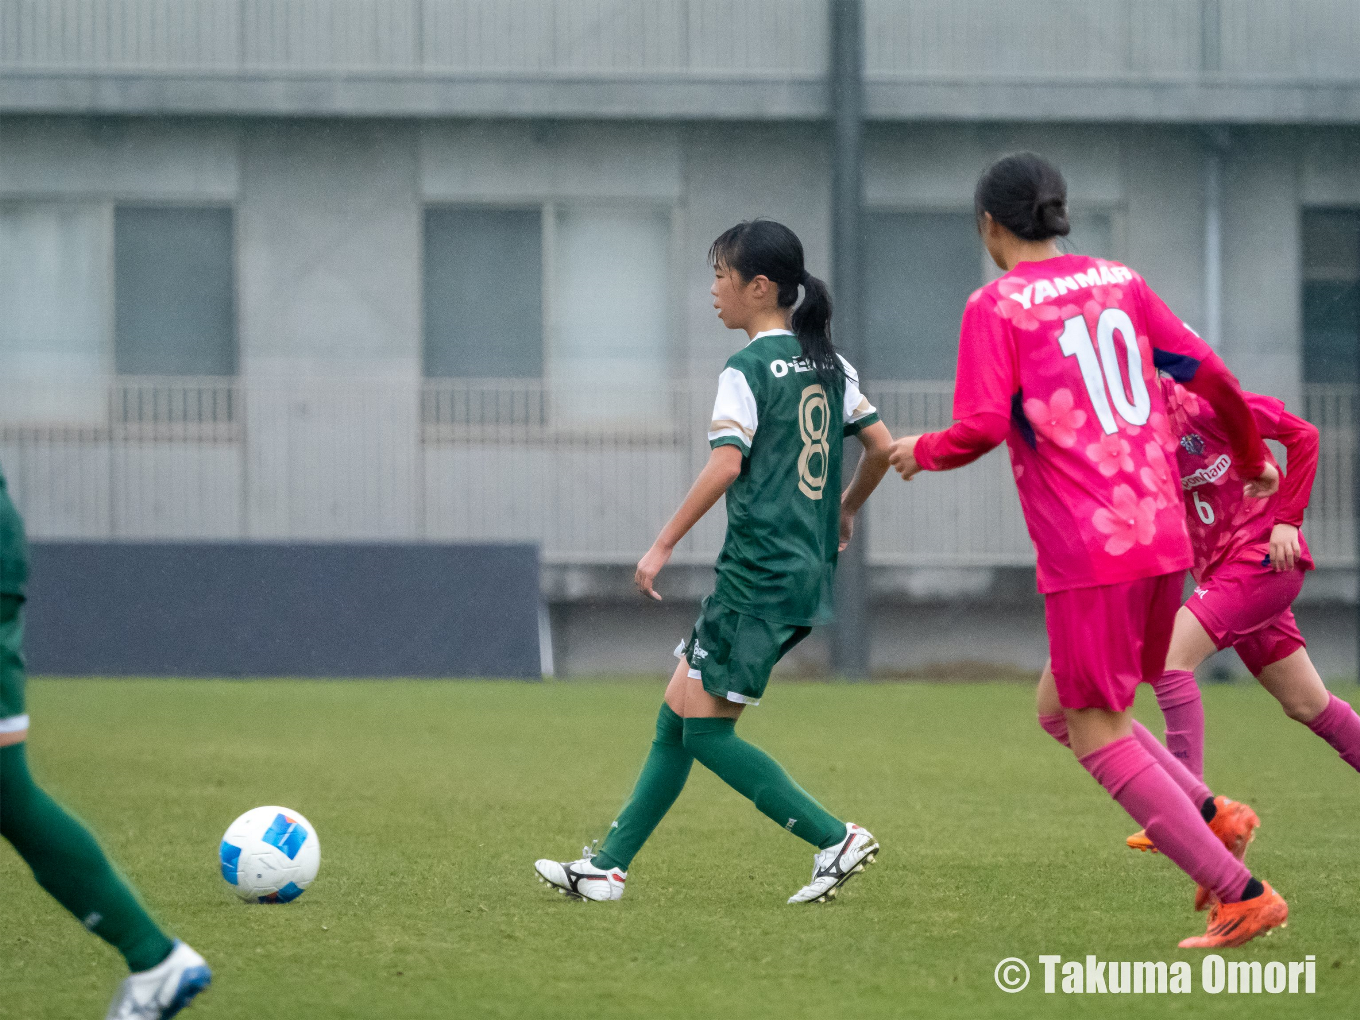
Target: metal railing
[1020,40]
[588,475]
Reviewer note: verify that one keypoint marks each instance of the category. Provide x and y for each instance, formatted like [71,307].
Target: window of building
[483,292]
[1331,295]
[611,308]
[919,268]
[54,286]
[575,296]
[174,291]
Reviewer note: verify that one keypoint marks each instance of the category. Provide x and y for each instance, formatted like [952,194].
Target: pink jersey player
[1224,525]
[1059,358]
[1250,560]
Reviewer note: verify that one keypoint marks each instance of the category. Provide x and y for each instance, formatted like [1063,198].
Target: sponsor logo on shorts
[1201,592]
[1207,475]
[1158,977]
[698,652]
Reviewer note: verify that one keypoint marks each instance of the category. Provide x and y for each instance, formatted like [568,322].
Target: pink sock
[1056,727]
[1178,698]
[1340,726]
[1161,807]
[1192,785]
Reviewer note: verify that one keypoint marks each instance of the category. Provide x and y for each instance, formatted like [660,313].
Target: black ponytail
[1026,194]
[765,248]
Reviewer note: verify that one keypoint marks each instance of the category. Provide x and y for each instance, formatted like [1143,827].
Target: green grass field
[432,800]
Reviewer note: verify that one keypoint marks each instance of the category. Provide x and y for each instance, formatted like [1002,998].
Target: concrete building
[434,269]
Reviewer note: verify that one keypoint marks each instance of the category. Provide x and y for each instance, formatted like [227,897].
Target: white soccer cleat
[165,989]
[581,880]
[834,866]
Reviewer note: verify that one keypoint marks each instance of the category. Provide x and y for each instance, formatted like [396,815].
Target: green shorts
[733,653]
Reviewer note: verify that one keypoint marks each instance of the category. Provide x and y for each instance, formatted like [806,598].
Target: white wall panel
[156,160]
[509,162]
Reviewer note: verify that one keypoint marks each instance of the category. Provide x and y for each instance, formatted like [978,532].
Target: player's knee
[670,727]
[705,736]
[1301,709]
[695,743]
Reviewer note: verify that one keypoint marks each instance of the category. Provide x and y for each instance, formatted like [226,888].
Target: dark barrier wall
[219,609]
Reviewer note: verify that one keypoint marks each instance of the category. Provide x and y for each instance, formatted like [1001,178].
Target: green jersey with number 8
[778,561]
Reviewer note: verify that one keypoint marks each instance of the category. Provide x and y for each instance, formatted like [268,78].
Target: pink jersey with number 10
[1065,352]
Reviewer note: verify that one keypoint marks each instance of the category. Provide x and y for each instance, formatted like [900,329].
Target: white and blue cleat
[164,990]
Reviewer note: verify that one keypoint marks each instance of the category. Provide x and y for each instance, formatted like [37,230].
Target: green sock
[761,779]
[663,777]
[68,863]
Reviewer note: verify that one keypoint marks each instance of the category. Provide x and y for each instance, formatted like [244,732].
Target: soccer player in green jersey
[66,860]
[785,403]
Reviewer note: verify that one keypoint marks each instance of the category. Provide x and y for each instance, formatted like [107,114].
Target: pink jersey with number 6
[1060,359]
[1226,525]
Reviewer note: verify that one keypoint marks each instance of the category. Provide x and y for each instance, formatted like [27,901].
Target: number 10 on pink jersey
[1097,370]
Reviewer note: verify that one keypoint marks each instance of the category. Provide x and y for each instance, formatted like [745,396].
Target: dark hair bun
[1026,194]
[1051,214]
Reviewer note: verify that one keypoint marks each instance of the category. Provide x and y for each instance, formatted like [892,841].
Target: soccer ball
[270,855]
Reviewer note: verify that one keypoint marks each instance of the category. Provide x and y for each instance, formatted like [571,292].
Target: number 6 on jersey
[1202,508]
[1098,370]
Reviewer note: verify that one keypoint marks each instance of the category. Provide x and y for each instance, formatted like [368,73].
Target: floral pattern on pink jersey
[1179,400]
[1103,297]
[1111,455]
[1181,406]
[1156,476]
[1058,420]
[1161,428]
[1131,521]
[1024,318]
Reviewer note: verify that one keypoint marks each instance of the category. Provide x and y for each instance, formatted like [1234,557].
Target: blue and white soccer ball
[270,855]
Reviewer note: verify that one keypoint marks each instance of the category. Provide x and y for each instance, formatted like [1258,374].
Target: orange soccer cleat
[1235,924]
[1234,823]
[1140,840]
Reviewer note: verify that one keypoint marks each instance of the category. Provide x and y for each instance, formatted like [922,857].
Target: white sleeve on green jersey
[734,412]
[857,406]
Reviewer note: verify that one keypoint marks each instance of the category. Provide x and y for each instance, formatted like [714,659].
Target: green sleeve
[854,428]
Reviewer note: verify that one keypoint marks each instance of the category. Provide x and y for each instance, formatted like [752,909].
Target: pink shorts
[1244,604]
[1105,641]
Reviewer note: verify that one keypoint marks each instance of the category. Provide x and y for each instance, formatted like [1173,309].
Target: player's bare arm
[722,469]
[872,466]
